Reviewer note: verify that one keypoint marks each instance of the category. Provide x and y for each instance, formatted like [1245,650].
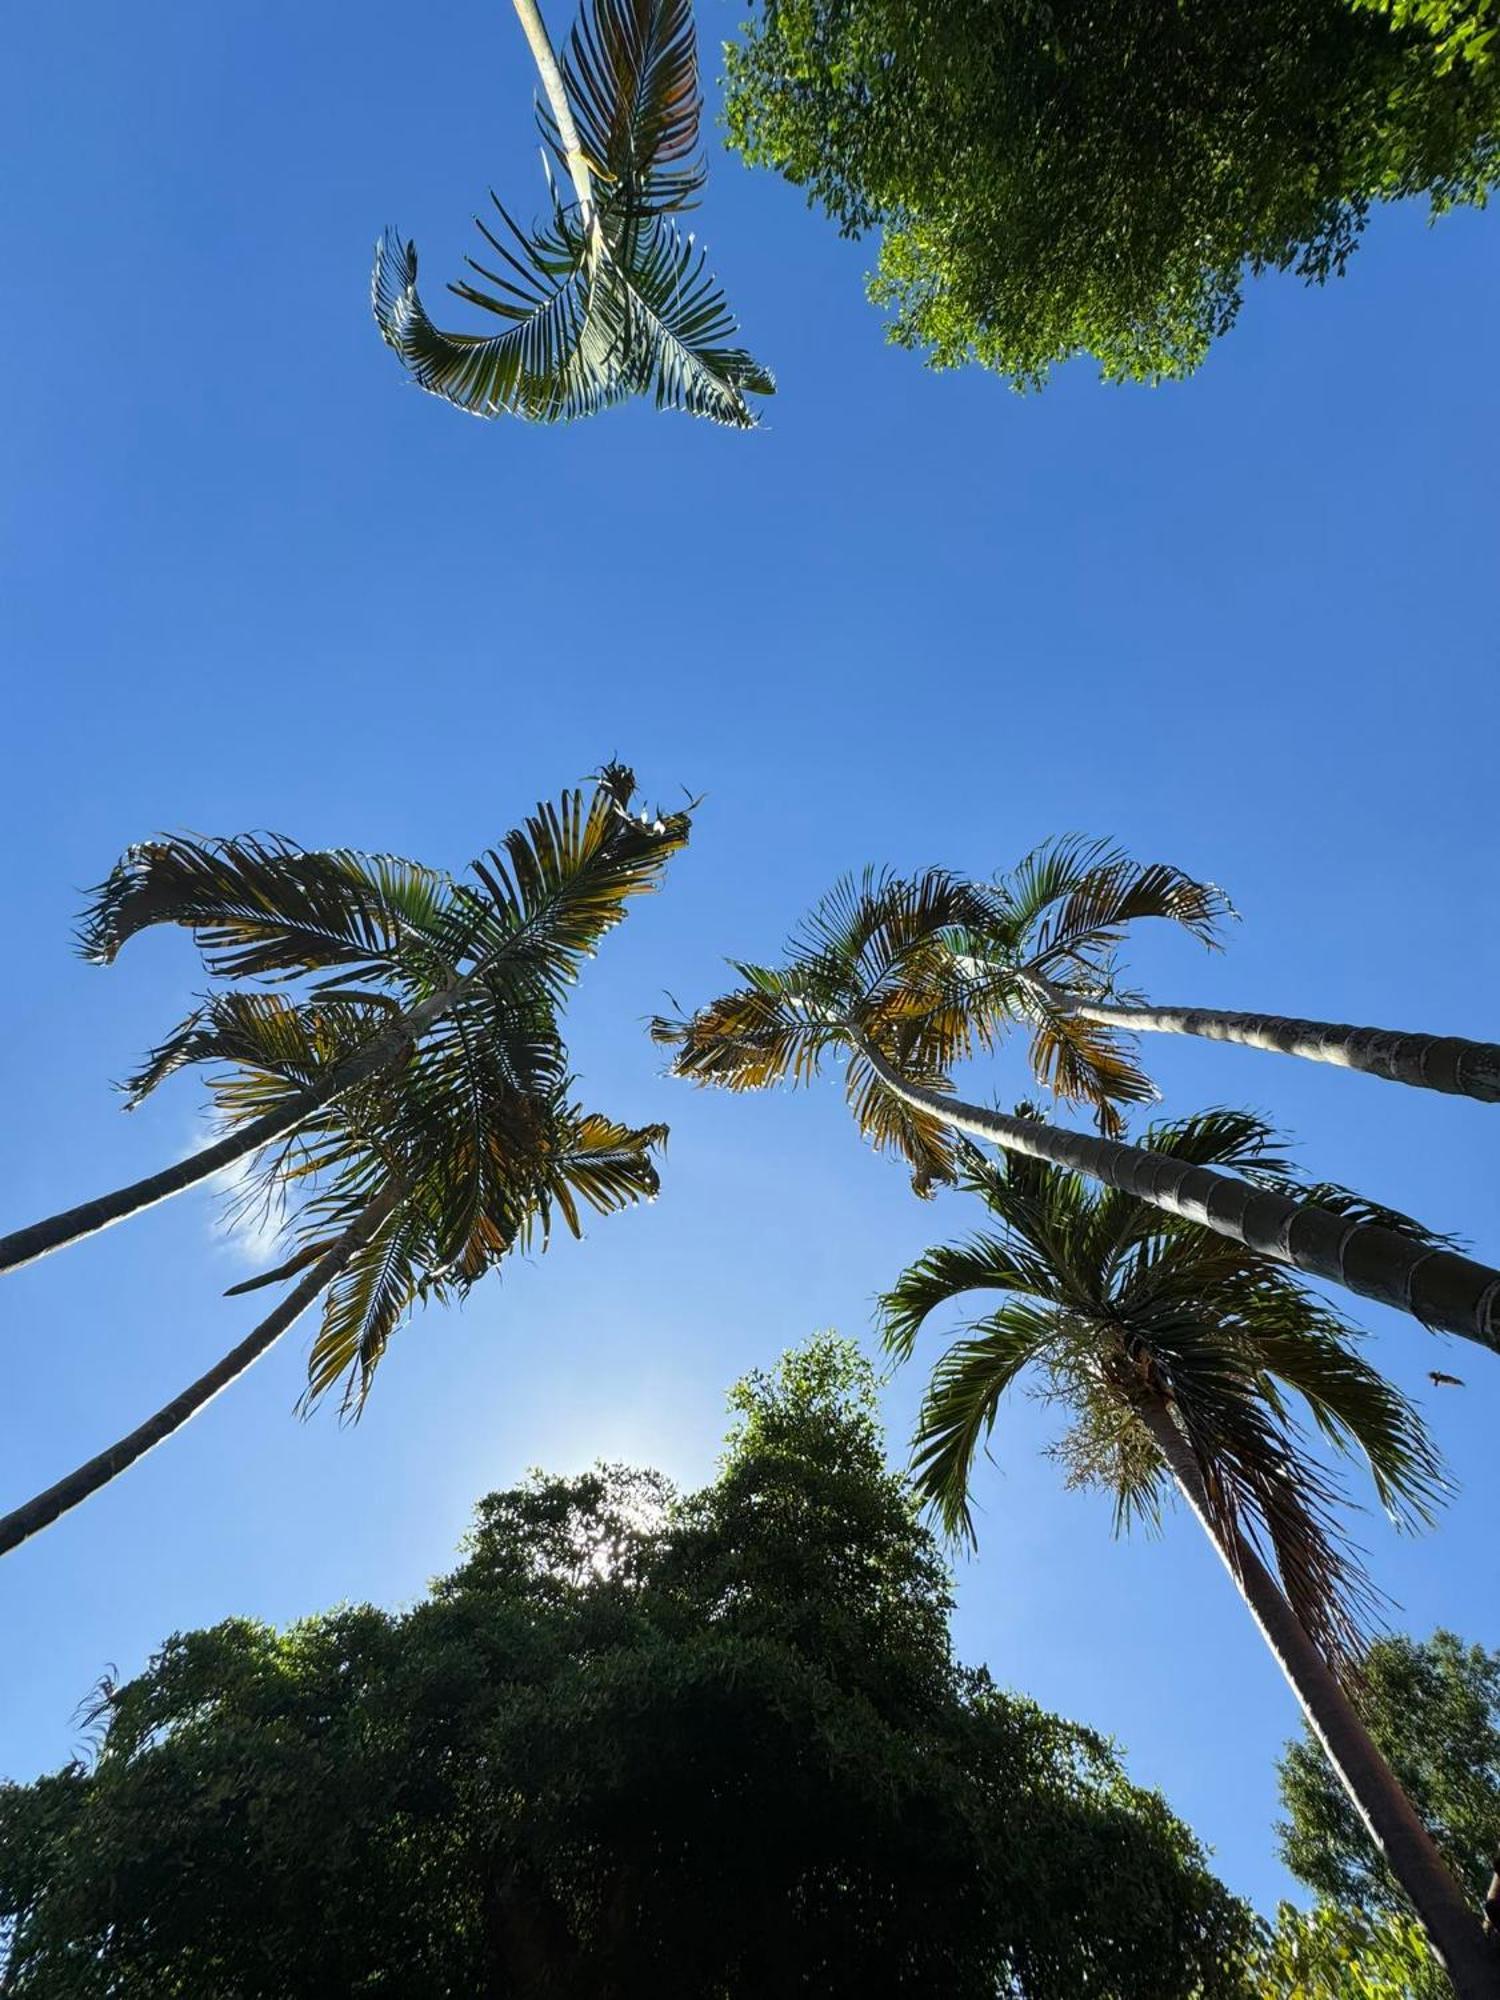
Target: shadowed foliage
[715,1746]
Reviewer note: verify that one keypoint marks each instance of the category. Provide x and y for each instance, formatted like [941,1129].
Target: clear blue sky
[254,579]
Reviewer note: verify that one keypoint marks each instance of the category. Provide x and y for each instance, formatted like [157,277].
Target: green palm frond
[1071,901]
[935,1280]
[632,75]
[963,1400]
[361,1310]
[1353,1404]
[259,906]
[1143,1308]
[602,307]
[563,879]
[606,1165]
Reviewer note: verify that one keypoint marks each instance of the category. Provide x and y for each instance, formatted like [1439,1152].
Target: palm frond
[559,882]
[963,1400]
[259,906]
[607,1165]
[631,68]
[935,1280]
[765,1032]
[1353,1404]
[1080,1062]
[555,360]
[362,1309]
[1071,901]
[602,307]
[1261,1484]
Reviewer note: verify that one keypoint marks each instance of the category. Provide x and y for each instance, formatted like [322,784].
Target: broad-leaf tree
[715,1746]
[1056,181]
[404,962]
[867,981]
[1183,1362]
[606,299]
[1433,1706]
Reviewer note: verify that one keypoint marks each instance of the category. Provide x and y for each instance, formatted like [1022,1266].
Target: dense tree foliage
[715,1745]
[1336,1953]
[1433,1706]
[1052,181]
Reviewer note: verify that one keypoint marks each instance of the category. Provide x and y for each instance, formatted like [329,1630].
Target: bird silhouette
[1440,1380]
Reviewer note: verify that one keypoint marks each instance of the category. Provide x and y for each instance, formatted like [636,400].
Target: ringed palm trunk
[69,1225]
[1469,1956]
[1447,1292]
[1428,1062]
[41,1511]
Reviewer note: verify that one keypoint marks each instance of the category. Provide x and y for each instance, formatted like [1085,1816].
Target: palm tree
[605,300]
[1177,1356]
[410,950]
[869,980]
[422,1179]
[1041,950]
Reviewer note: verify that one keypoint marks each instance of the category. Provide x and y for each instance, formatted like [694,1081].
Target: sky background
[252,578]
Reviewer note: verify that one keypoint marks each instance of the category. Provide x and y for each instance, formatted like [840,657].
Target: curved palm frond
[1071,901]
[935,1280]
[963,1400]
[557,358]
[597,307]
[1353,1404]
[259,906]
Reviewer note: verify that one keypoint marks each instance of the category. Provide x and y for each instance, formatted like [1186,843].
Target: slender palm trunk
[1470,1958]
[69,1225]
[540,42]
[1428,1062]
[44,1509]
[1448,1293]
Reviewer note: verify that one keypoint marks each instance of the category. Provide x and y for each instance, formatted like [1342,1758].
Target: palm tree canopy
[601,306]
[1117,1304]
[930,969]
[869,967]
[470,1140]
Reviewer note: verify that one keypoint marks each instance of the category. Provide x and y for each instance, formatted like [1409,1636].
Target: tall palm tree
[868,979]
[412,951]
[606,299]
[1177,1356]
[420,1180]
[1041,951]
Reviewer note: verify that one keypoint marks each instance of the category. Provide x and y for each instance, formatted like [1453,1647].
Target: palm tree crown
[1128,1314]
[606,299]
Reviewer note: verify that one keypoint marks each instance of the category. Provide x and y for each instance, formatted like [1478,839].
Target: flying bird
[1440,1380]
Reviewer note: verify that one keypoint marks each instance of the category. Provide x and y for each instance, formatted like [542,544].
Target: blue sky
[252,578]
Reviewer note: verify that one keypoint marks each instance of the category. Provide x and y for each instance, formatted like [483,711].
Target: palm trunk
[1428,1062]
[1447,1292]
[54,1232]
[1470,1958]
[535,30]
[44,1509]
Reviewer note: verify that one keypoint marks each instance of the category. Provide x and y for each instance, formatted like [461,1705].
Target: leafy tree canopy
[1332,1953]
[634,1743]
[1433,1706]
[1052,181]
